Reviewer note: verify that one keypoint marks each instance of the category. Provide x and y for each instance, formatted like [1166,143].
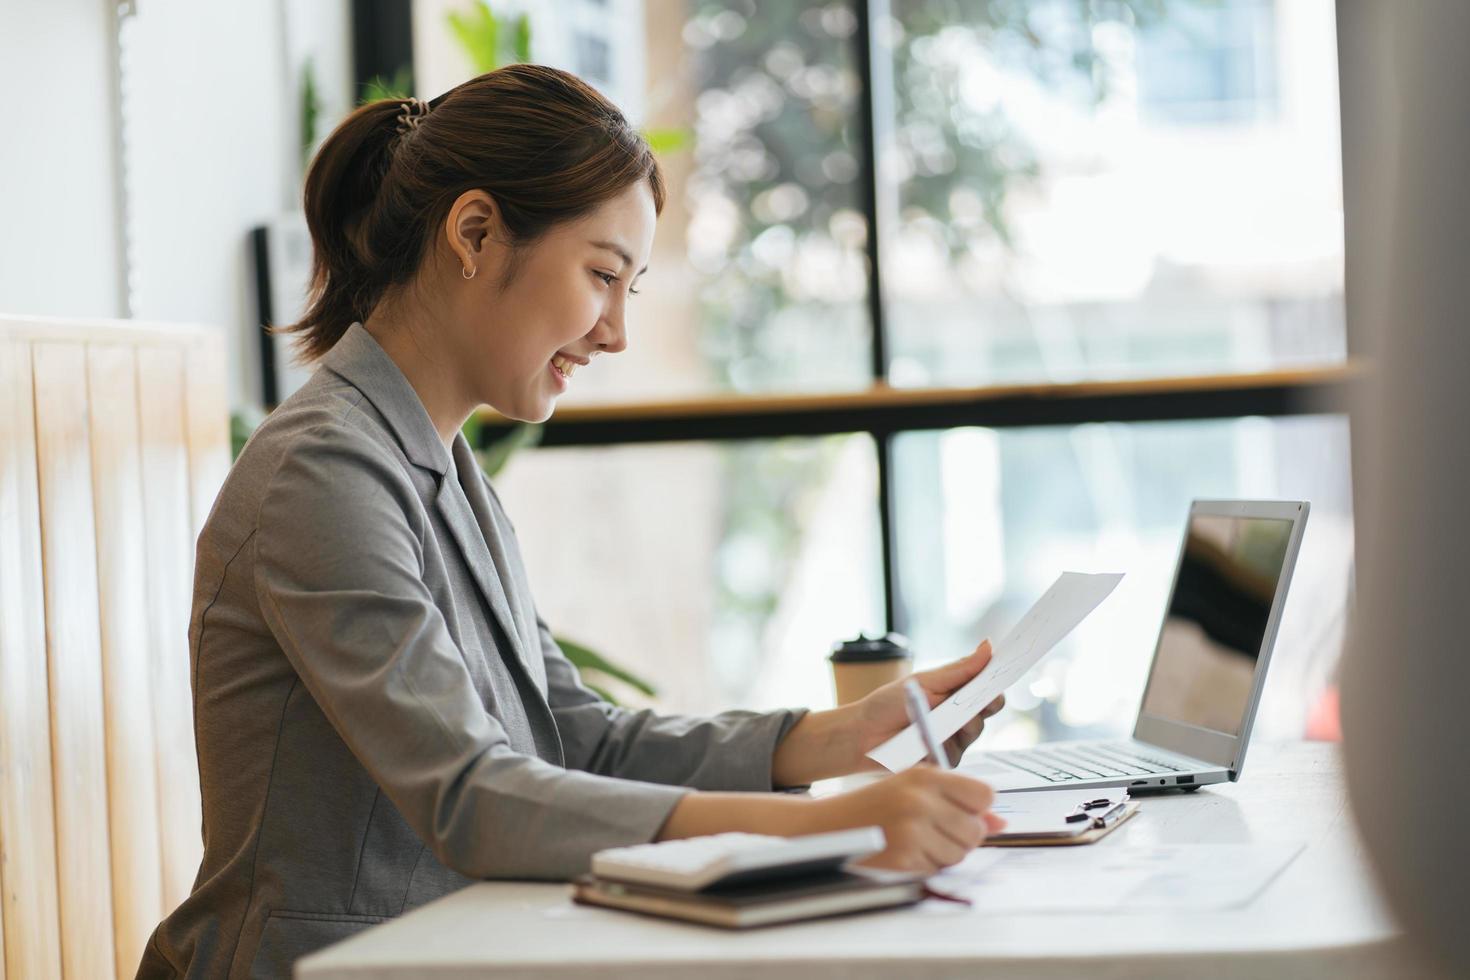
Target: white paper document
[1103,878]
[1071,597]
[1044,810]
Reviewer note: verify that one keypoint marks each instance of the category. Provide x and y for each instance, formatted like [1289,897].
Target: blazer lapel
[471,540]
[473,526]
[359,359]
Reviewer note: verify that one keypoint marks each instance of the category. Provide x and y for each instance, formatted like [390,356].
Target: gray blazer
[380,714]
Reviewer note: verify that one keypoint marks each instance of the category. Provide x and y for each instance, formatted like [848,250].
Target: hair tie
[412,112]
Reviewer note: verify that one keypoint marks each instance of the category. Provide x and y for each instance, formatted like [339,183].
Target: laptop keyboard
[1059,764]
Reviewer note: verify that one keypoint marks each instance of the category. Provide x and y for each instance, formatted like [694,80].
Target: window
[724,571]
[1053,222]
[1109,205]
[988,517]
[1210,64]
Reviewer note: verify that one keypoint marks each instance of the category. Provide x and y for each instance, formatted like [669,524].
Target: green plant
[489,42]
[589,662]
[311,110]
[486,40]
[400,86]
[242,424]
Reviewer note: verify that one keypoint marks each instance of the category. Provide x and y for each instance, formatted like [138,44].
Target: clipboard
[1049,818]
[1057,839]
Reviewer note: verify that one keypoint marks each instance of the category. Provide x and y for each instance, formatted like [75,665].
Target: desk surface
[1320,917]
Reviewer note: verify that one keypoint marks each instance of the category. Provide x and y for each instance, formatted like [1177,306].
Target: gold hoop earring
[469,273]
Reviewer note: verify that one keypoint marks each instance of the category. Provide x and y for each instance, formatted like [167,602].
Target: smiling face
[514,344]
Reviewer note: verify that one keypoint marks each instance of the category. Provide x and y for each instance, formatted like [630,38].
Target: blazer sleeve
[728,751]
[339,551]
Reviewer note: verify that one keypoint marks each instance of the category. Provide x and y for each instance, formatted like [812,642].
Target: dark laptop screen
[1205,667]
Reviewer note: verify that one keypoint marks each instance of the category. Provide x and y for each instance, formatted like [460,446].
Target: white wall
[59,237]
[210,102]
[209,116]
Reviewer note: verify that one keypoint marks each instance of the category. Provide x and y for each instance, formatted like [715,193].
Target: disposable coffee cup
[862,665]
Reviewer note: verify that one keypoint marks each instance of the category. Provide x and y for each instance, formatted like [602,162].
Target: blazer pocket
[289,935]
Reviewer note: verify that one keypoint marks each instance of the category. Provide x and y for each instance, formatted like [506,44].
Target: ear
[472,227]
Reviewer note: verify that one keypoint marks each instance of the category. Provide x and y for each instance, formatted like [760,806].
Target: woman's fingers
[943,852]
[940,681]
[932,817]
[960,740]
[963,828]
[966,792]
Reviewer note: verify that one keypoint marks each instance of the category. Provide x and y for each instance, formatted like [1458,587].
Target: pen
[1111,817]
[918,707]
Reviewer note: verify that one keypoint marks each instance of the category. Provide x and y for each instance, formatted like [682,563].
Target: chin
[526,413]
[535,415]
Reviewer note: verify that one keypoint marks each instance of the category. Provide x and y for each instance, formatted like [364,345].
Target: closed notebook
[763,903]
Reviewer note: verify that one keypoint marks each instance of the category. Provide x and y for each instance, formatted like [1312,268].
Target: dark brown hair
[544,144]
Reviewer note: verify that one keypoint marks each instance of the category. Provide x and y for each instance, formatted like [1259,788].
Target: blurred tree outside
[778,235]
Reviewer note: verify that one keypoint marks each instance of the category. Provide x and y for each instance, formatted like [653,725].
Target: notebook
[760,903]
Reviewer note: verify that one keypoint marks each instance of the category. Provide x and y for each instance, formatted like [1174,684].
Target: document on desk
[1067,603]
[1132,878]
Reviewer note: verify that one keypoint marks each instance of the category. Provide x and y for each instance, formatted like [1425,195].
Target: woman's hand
[882,714]
[930,818]
[836,742]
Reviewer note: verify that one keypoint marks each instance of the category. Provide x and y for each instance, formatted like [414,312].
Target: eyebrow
[620,252]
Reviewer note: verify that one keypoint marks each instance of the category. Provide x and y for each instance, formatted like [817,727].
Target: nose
[611,335]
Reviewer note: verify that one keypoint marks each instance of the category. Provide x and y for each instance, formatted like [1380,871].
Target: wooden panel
[208,427]
[27,817]
[69,561]
[127,677]
[169,551]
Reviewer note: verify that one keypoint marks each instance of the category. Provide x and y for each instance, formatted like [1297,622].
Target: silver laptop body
[1209,666]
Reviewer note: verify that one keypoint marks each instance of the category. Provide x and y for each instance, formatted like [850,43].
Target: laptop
[1209,665]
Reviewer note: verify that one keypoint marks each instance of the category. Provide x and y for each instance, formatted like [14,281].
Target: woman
[380,714]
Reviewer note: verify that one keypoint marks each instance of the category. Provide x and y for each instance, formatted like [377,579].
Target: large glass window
[1090,190]
[1067,190]
[988,518]
[722,571]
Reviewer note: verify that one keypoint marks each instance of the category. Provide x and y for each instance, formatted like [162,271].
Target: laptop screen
[1204,671]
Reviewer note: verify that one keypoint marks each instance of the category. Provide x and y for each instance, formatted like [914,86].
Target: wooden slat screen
[113,444]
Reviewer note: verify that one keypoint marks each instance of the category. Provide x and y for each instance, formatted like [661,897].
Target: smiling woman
[381,714]
[524,183]
[512,339]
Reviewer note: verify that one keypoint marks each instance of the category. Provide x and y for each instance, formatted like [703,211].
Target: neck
[428,373]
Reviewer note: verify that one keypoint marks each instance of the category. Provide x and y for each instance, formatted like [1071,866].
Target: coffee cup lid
[889,646]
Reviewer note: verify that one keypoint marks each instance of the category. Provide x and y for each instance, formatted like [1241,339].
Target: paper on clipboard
[1045,810]
[1069,600]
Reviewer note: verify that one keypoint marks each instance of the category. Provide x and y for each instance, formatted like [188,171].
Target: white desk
[1319,918]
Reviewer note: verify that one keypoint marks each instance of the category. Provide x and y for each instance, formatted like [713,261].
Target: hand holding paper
[1069,600]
